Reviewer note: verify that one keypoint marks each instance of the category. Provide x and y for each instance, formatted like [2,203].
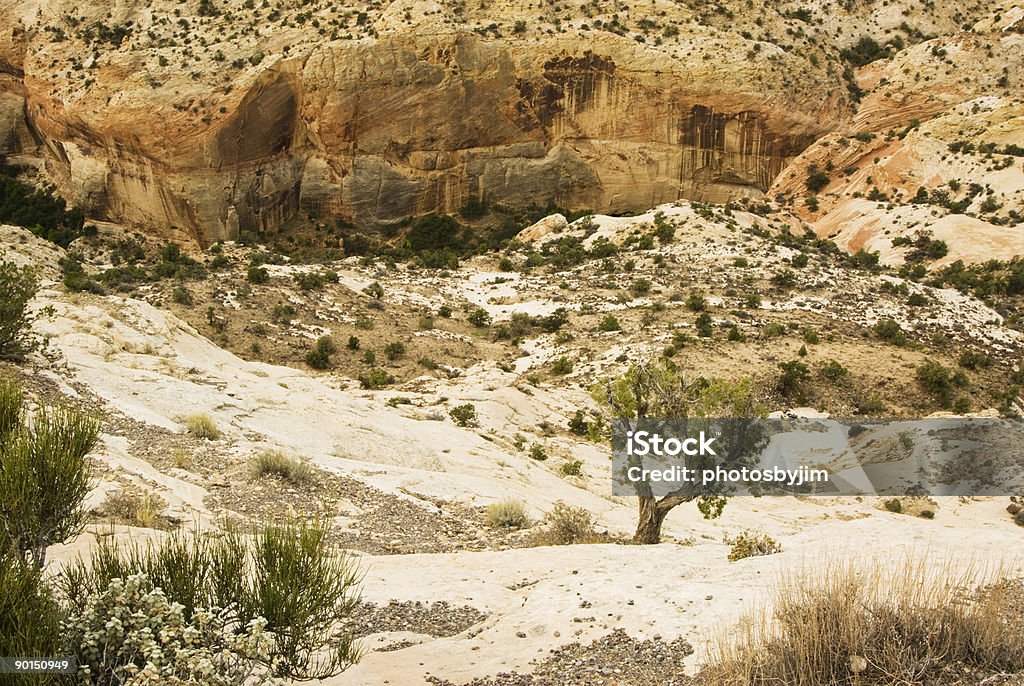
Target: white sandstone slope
[149,366]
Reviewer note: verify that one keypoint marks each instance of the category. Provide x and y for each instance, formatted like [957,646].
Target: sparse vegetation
[276,463]
[507,514]
[202,426]
[751,544]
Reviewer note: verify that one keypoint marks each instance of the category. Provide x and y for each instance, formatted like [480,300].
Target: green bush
[394,350]
[572,468]
[793,374]
[563,365]
[889,331]
[319,356]
[257,275]
[538,453]
[479,318]
[18,285]
[609,323]
[893,505]
[40,211]
[578,424]
[375,378]
[833,371]
[44,475]
[181,296]
[131,633]
[374,290]
[463,415]
[940,381]
[284,573]
[816,180]
[30,616]
[433,232]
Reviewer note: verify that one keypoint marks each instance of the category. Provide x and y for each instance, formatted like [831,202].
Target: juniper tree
[656,390]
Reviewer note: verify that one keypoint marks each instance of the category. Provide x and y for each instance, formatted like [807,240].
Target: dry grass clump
[508,514]
[203,426]
[891,624]
[566,525]
[133,508]
[276,463]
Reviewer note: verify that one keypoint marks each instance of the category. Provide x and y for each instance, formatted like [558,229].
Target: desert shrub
[784,279]
[276,463]
[974,359]
[751,544]
[463,415]
[256,274]
[353,343]
[375,378]
[283,313]
[566,525]
[538,453]
[917,300]
[363,322]
[890,331]
[833,371]
[508,514]
[319,356]
[394,350]
[894,505]
[609,323]
[939,381]
[578,424]
[696,302]
[864,51]
[284,573]
[816,180]
[888,624]
[131,633]
[30,617]
[433,233]
[374,290]
[182,296]
[202,426]
[572,468]
[792,375]
[44,475]
[43,213]
[479,318]
[18,285]
[563,365]
[310,281]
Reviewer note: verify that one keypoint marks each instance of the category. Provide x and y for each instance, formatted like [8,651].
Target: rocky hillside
[201,119]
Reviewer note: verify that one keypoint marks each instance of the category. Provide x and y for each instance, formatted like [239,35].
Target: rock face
[411,112]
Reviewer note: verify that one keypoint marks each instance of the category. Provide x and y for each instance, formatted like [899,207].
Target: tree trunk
[648,527]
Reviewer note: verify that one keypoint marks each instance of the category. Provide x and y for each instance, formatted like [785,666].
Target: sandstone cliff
[202,120]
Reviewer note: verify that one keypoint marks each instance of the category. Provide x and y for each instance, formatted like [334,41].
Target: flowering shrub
[130,634]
